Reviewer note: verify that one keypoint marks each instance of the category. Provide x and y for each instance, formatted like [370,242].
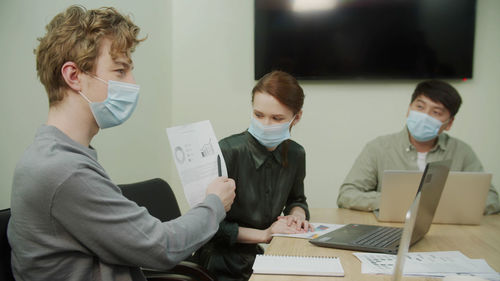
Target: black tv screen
[365,39]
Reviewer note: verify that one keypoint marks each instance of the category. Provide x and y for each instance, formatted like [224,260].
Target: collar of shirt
[51,131]
[404,140]
[259,153]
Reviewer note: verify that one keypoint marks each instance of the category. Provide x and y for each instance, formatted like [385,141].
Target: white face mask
[270,135]
[118,106]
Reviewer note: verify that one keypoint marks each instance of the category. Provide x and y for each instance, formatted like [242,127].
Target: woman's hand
[298,222]
[280,226]
[297,219]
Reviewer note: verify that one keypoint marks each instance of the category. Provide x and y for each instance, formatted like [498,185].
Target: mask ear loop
[95,77]
[85,97]
[81,94]
[445,123]
[290,123]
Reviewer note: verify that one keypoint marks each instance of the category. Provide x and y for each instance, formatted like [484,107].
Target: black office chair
[159,199]
[156,196]
[5,267]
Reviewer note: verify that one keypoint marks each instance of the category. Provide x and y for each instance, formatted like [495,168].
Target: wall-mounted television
[365,39]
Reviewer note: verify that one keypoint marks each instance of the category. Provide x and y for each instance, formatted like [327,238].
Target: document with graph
[319,229]
[195,149]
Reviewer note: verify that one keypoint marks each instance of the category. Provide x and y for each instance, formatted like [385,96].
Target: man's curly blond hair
[75,35]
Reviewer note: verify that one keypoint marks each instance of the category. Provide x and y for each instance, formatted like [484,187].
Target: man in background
[432,111]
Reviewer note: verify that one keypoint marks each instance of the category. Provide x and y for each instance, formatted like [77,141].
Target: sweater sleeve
[228,230]
[473,164]
[116,230]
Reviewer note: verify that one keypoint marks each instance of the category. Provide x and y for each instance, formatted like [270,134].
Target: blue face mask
[270,135]
[422,126]
[118,106]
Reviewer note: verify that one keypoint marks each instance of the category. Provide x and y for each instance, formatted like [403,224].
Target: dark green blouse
[265,188]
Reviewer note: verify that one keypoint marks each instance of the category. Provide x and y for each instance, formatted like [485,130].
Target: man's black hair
[439,91]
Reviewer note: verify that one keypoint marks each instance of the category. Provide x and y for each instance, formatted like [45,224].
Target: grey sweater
[71,222]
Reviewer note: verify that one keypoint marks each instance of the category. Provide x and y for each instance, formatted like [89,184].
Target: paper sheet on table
[319,229]
[485,276]
[436,264]
[195,149]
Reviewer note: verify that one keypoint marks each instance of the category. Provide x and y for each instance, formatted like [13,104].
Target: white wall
[198,64]
[213,78]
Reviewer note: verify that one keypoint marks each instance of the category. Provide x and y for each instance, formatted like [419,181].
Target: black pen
[219,169]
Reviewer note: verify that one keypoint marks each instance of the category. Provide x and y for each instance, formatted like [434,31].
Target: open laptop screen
[431,187]
[419,216]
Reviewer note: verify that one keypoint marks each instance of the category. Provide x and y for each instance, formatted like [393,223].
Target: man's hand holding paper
[224,188]
[200,164]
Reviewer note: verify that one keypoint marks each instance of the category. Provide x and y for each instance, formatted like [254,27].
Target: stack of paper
[432,264]
[296,265]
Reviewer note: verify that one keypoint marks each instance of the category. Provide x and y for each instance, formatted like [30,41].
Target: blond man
[69,220]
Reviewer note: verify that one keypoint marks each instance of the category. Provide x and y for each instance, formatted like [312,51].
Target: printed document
[319,229]
[435,264]
[195,149]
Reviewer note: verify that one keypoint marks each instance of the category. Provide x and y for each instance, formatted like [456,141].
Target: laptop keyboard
[380,238]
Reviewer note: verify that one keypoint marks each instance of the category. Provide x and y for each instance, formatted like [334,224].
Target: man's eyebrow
[440,107]
[126,64]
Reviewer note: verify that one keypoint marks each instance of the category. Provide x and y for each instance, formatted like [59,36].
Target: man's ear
[448,126]
[71,75]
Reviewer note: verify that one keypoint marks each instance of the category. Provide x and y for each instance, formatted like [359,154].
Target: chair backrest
[5,267]
[156,196]
[159,199]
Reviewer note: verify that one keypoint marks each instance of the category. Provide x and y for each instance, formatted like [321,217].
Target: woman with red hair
[269,171]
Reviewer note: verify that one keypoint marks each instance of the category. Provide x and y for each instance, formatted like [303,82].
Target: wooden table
[481,241]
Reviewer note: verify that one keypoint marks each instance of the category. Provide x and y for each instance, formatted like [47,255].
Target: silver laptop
[463,200]
[405,242]
[373,238]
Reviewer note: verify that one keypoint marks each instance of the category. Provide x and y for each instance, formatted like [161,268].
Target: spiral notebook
[296,265]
